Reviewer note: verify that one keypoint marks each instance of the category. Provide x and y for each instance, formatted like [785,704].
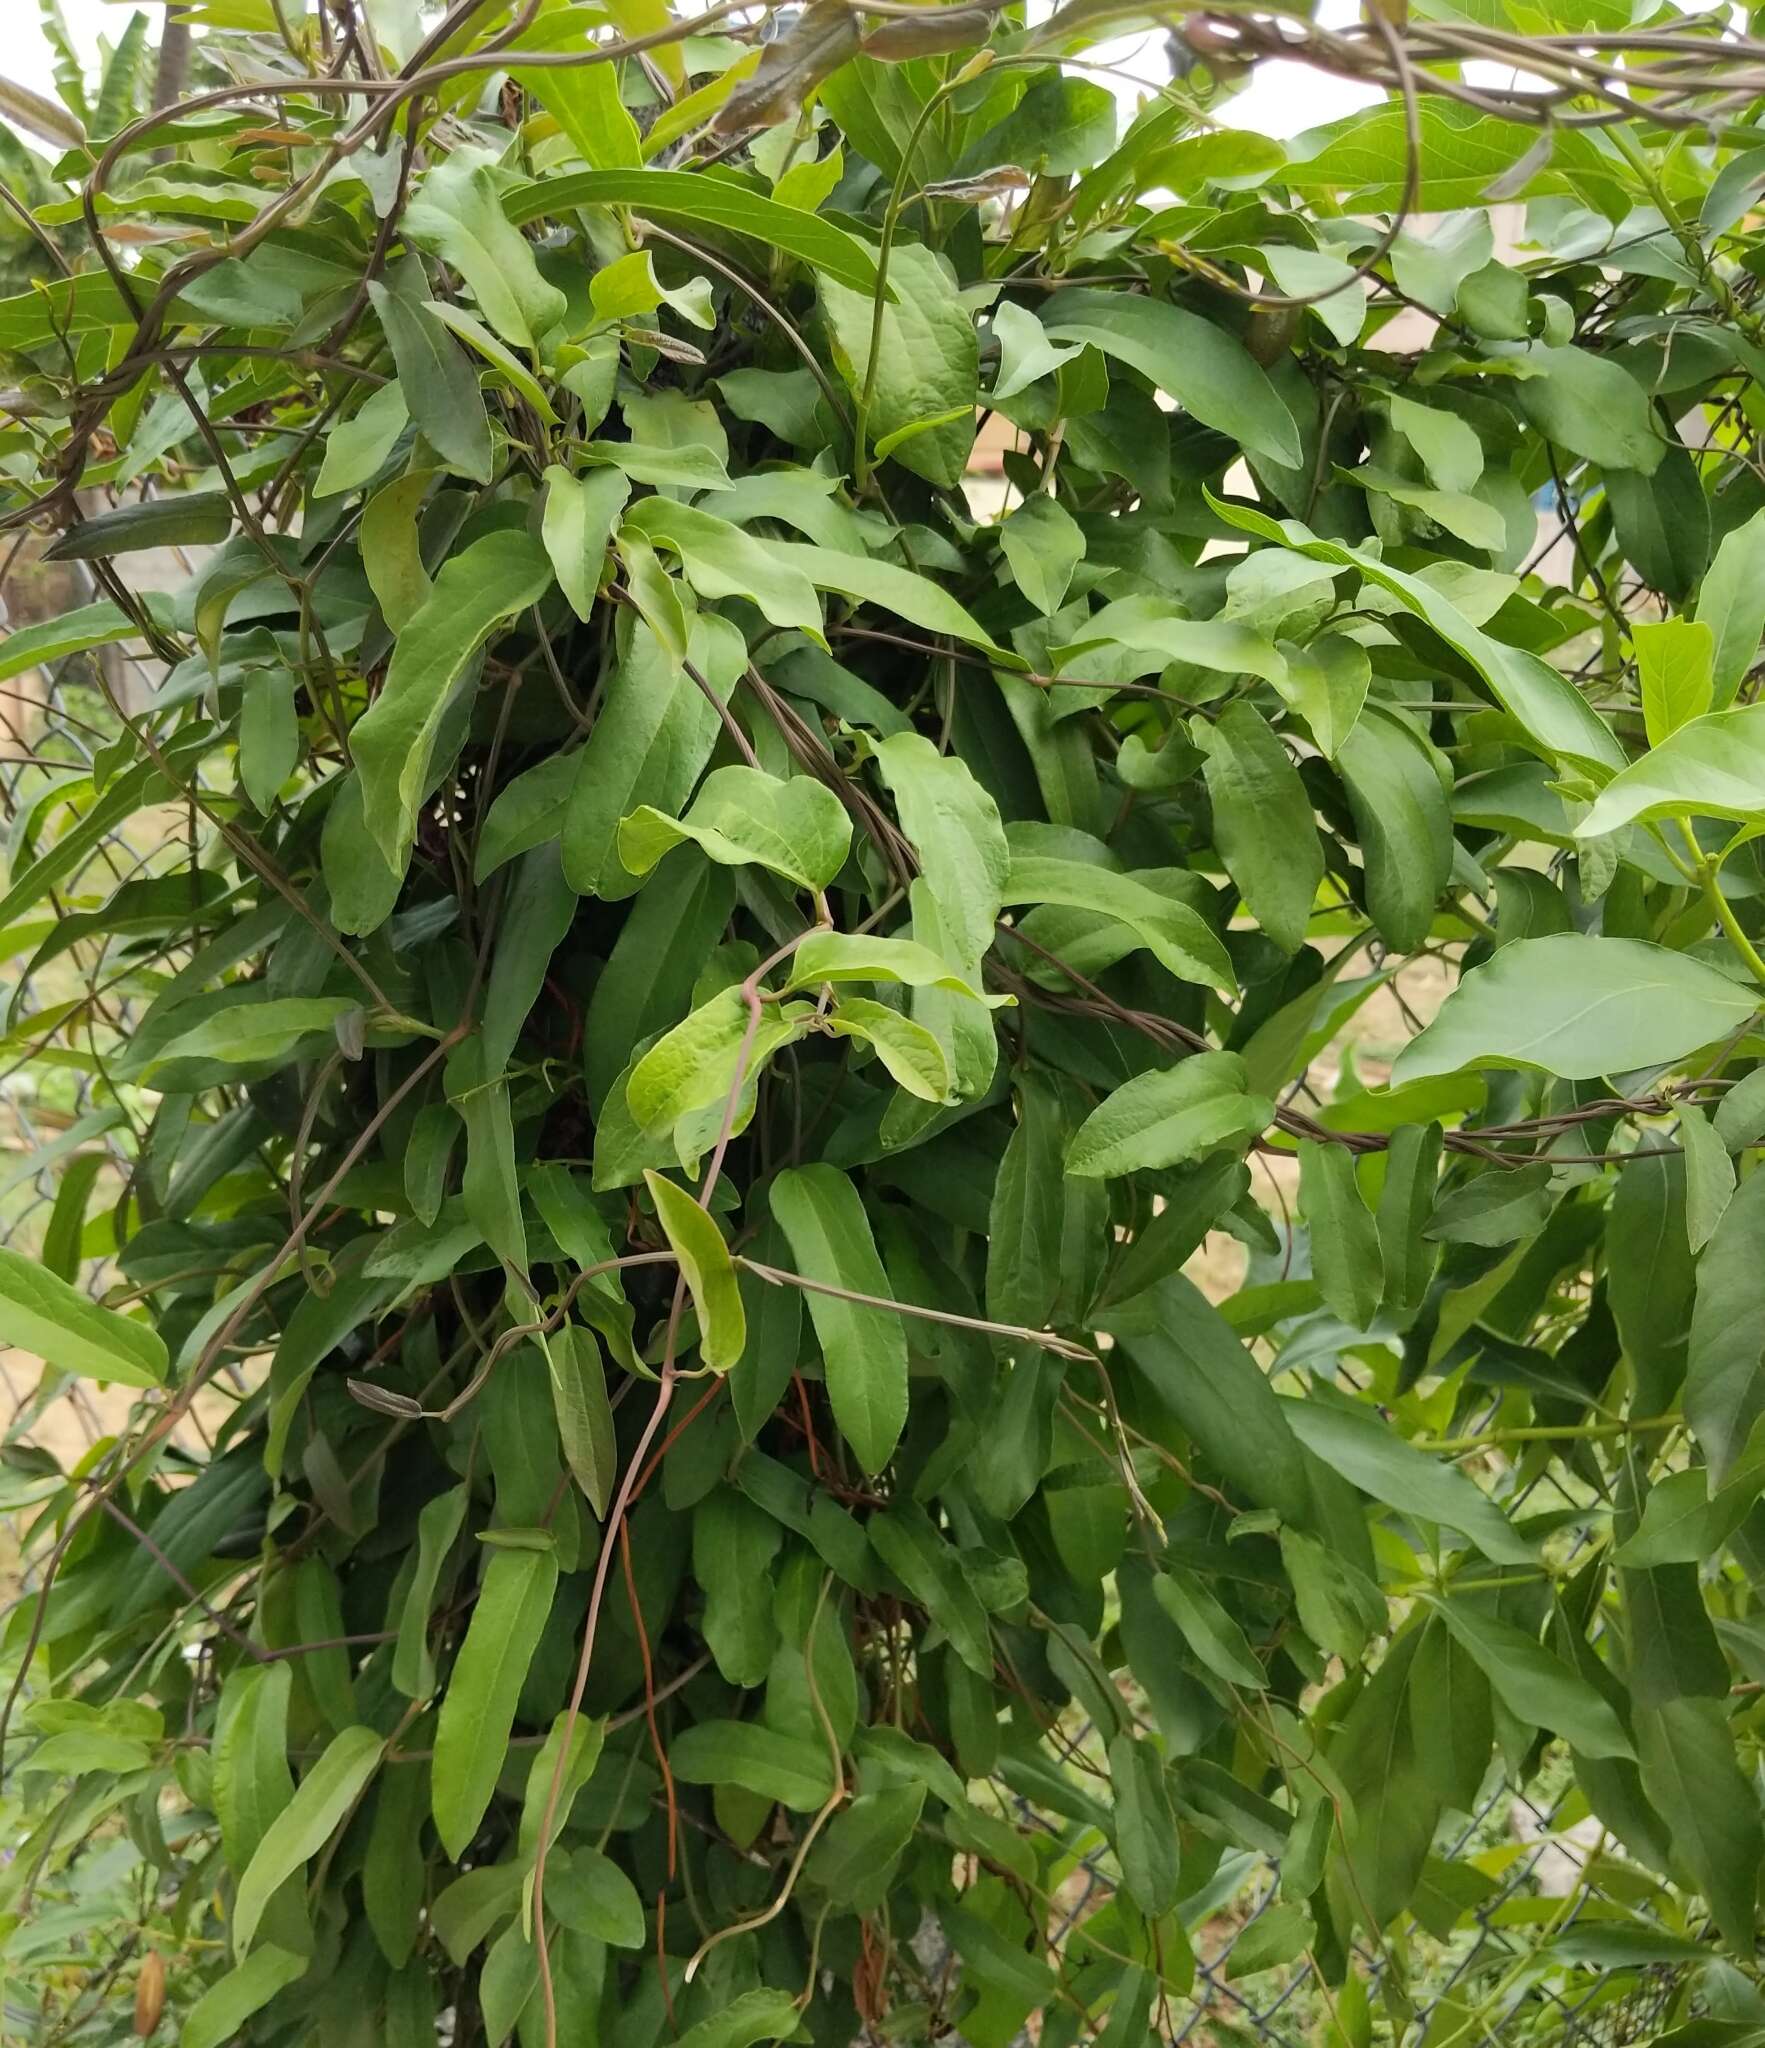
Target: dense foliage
[676,1000]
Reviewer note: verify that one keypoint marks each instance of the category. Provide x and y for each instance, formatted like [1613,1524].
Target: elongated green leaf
[864,1351]
[1732,604]
[704,1263]
[321,1799]
[394,742]
[64,1327]
[1262,824]
[1344,1239]
[1378,1461]
[775,1767]
[478,1708]
[1709,766]
[580,514]
[692,195]
[436,379]
[1535,1686]
[925,367]
[220,2014]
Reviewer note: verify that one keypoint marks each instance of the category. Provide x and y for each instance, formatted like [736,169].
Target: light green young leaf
[912,1054]
[837,957]
[705,1266]
[721,560]
[1732,604]
[1675,670]
[458,216]
[864,1349]
[356,449]
[1709,1175]
[697,1063]
[690,195]
[798,829]
[1710,766]
[218,2017]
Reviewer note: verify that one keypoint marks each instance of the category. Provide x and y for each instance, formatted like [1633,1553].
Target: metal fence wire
[1536,1867]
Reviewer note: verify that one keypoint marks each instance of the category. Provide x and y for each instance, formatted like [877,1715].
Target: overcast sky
[1280,100]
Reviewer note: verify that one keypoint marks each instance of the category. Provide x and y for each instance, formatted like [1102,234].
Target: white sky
[1280,100]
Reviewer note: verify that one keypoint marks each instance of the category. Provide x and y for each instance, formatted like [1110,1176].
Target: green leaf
[438,382]
[438,1526]
[1280,1934]
[478,1708]
[321,1800]
[584,101]
[1344,1238]
[1145,1825]
[1407,1258]
[1403,821]
[60,1324]
[1207,1628]
[927,361]
[908,1542]
[1201,366]
[585,1416]
[395,740]
[913,597]
[864,1350]
[1725,1365]
[219,2015]
[577,524]
[1675,669]
[734,1544]
[1170,1115]
[720,560]
[753,2016]
[185,519]
[854,1862]
[458,215]
[1537,1688]
[1591,406]
[704,1264]
[358,449]
[1710,766]
[649,744]
[837,957]
[775,1767]
[700,1062]
[1043,544]
[798,829]
[1371,1455]
[1711,1806]
[1178,937]
[1262,823]
[1732,604]
[1578,1007]
[954,827]
[912,1055]
[693,195]
[1709,1175]
[74,632]
[1496,1208]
